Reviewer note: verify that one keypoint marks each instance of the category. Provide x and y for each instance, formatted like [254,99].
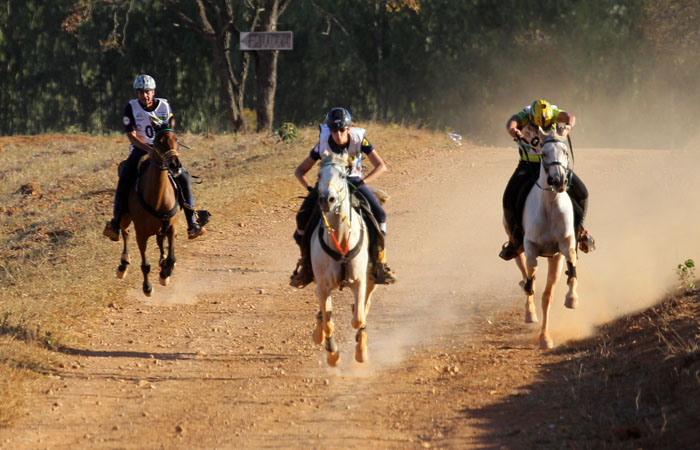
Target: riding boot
[381,273]
[512,248]
[303,273]
[112,227]
[195,227]
[586,243]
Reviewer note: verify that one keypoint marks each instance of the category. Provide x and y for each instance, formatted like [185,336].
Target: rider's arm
[379,166]
[302,169]
[135,140]
[566,118]
[512,126]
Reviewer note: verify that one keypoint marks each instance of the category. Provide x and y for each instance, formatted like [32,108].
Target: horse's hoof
[571,302]
[546,342]
[333,358]
[148,290]
[318,335]
[361,353]
[121,273]
[165,281]
[356,324]
[531,317]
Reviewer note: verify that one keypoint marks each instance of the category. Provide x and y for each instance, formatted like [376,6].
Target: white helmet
[145,83]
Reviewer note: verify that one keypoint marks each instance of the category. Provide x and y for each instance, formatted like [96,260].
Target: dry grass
[637,381]
[57,270]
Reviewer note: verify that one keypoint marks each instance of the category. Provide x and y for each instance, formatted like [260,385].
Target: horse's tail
[381,194]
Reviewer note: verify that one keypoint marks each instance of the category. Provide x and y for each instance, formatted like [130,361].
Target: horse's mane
[335,158]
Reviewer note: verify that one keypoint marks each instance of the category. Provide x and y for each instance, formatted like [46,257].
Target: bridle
[340,254]
[164,156]
[546,165]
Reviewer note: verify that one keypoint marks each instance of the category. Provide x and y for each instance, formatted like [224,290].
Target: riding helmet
[338,119]
[144,83]
[541,113]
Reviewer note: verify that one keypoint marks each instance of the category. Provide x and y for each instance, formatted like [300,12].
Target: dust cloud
[445,234]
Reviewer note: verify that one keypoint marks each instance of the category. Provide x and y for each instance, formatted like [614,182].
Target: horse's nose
[324,203]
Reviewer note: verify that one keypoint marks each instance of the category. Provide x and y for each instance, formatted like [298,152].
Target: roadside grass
[635,383]
[57,271]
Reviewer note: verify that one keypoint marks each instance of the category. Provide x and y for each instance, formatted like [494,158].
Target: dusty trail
[223,357]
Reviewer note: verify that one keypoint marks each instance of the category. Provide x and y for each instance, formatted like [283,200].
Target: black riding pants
[518,188]
[183,181]
[127,177]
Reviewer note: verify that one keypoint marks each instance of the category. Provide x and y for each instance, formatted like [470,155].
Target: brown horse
[153,207]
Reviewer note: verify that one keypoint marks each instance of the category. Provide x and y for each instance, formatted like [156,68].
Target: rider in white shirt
[337,136]
[138,118]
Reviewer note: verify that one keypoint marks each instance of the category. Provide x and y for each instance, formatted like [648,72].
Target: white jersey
[357,140]
[138,119]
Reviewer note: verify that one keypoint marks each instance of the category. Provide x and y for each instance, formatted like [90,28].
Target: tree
[215,22]
[266,64]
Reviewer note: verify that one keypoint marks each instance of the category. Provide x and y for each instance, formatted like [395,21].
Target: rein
[546,165]
[164,217]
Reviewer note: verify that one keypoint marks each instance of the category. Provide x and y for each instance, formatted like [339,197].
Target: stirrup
[586,242]
[300,278]
[508,251]
[112,230]
[203,217]
[383,275]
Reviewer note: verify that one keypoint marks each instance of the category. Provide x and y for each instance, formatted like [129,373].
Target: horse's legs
[569,250]
[530,310]
[359,319]
[124,266]
[553,273]
[145,267]
[159,241]
[361,335]
[167,264]
[528,286]
[327,326]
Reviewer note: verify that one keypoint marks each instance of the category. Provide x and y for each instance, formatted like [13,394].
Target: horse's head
[555,161]
[165,148]
[332,182]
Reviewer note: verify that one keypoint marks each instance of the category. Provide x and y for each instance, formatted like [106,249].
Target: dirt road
[223,357]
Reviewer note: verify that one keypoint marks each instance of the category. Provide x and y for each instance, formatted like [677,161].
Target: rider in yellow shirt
[524,128]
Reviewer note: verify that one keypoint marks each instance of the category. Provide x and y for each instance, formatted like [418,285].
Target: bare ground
[223,357]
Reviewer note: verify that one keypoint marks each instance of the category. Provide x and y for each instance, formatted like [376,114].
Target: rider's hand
[517,135]
[311,189]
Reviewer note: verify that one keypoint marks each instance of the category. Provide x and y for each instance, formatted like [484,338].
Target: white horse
[548,221]
[340,256]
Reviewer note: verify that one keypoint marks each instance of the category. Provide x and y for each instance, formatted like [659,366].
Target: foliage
[440,63]
[686,274]
[288,132]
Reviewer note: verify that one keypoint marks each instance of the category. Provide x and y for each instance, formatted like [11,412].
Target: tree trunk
[266,78]
[266,67]
[378,37]
[232,88]
[231,92]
